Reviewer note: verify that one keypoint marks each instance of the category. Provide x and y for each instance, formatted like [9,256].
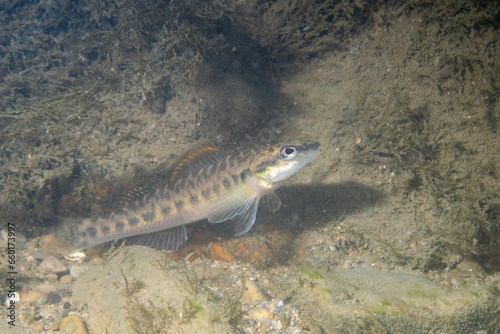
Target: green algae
[421,292]
[310,272]
[495,291]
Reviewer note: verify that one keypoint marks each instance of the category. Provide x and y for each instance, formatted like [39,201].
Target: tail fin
[69,236]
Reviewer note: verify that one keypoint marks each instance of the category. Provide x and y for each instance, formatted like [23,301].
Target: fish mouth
[309,156]
[312,146]
[310,150]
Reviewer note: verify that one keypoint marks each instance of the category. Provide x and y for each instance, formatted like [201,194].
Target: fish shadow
[304,208]
[313,206]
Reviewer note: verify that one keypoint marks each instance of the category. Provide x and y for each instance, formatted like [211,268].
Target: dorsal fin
[140,186]
[199,158]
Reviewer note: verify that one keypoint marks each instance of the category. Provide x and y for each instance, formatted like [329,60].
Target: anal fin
[169,239]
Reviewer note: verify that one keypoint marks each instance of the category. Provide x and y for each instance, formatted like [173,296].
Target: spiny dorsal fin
[139,187]
[197,159]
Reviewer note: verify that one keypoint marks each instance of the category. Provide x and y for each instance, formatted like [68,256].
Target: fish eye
[288,152]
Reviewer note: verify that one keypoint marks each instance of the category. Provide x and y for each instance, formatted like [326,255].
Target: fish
[206,184]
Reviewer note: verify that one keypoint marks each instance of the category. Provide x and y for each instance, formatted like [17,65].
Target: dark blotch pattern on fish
[119,226]
[243,175]
[226,183]
[166,210]
[133,221]
[194,200]
[105,230]
[92,232]
[206,193]
[149,216]
[216,189]
[179,205]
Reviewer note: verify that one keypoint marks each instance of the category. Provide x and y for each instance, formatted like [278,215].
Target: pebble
[53,298]
[51,277]
[51,265]
[38,327]
[66,279]
[18,235]
[32,296]
[45,288]
[260,313]
[76,270]
[252,293]
[73,324]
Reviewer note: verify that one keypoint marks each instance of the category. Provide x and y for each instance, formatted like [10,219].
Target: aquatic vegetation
[134,287]
[190,308]
[433,163]
[310,272]
[149,319]
[381,307]
[495,291]
[419,291]
[302,29]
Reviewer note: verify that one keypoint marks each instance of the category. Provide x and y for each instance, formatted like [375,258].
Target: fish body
[206,185]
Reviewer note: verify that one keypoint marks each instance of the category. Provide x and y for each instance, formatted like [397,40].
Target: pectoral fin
[241,203]
[231,204]
[273,201]
[245,221]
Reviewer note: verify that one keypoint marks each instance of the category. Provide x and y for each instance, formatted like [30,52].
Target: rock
[76,270]
[38,327]
[260,313]
[51,265]
[252,293]
[51,277]
[45,288]
[53,298]
[18,236]
[66,279]
[73,324]
[32,296]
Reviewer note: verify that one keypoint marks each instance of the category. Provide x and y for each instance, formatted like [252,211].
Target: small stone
[45,288]
[67,306]
[260,313]
[251,293]
[51,277]
[53,298]
[51,265]
[76,270]
[54,325]
[32,296]
[39,327]
[18,236]
[73,324]
[66,279]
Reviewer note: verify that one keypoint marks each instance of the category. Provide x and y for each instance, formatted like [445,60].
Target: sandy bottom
[394,228]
